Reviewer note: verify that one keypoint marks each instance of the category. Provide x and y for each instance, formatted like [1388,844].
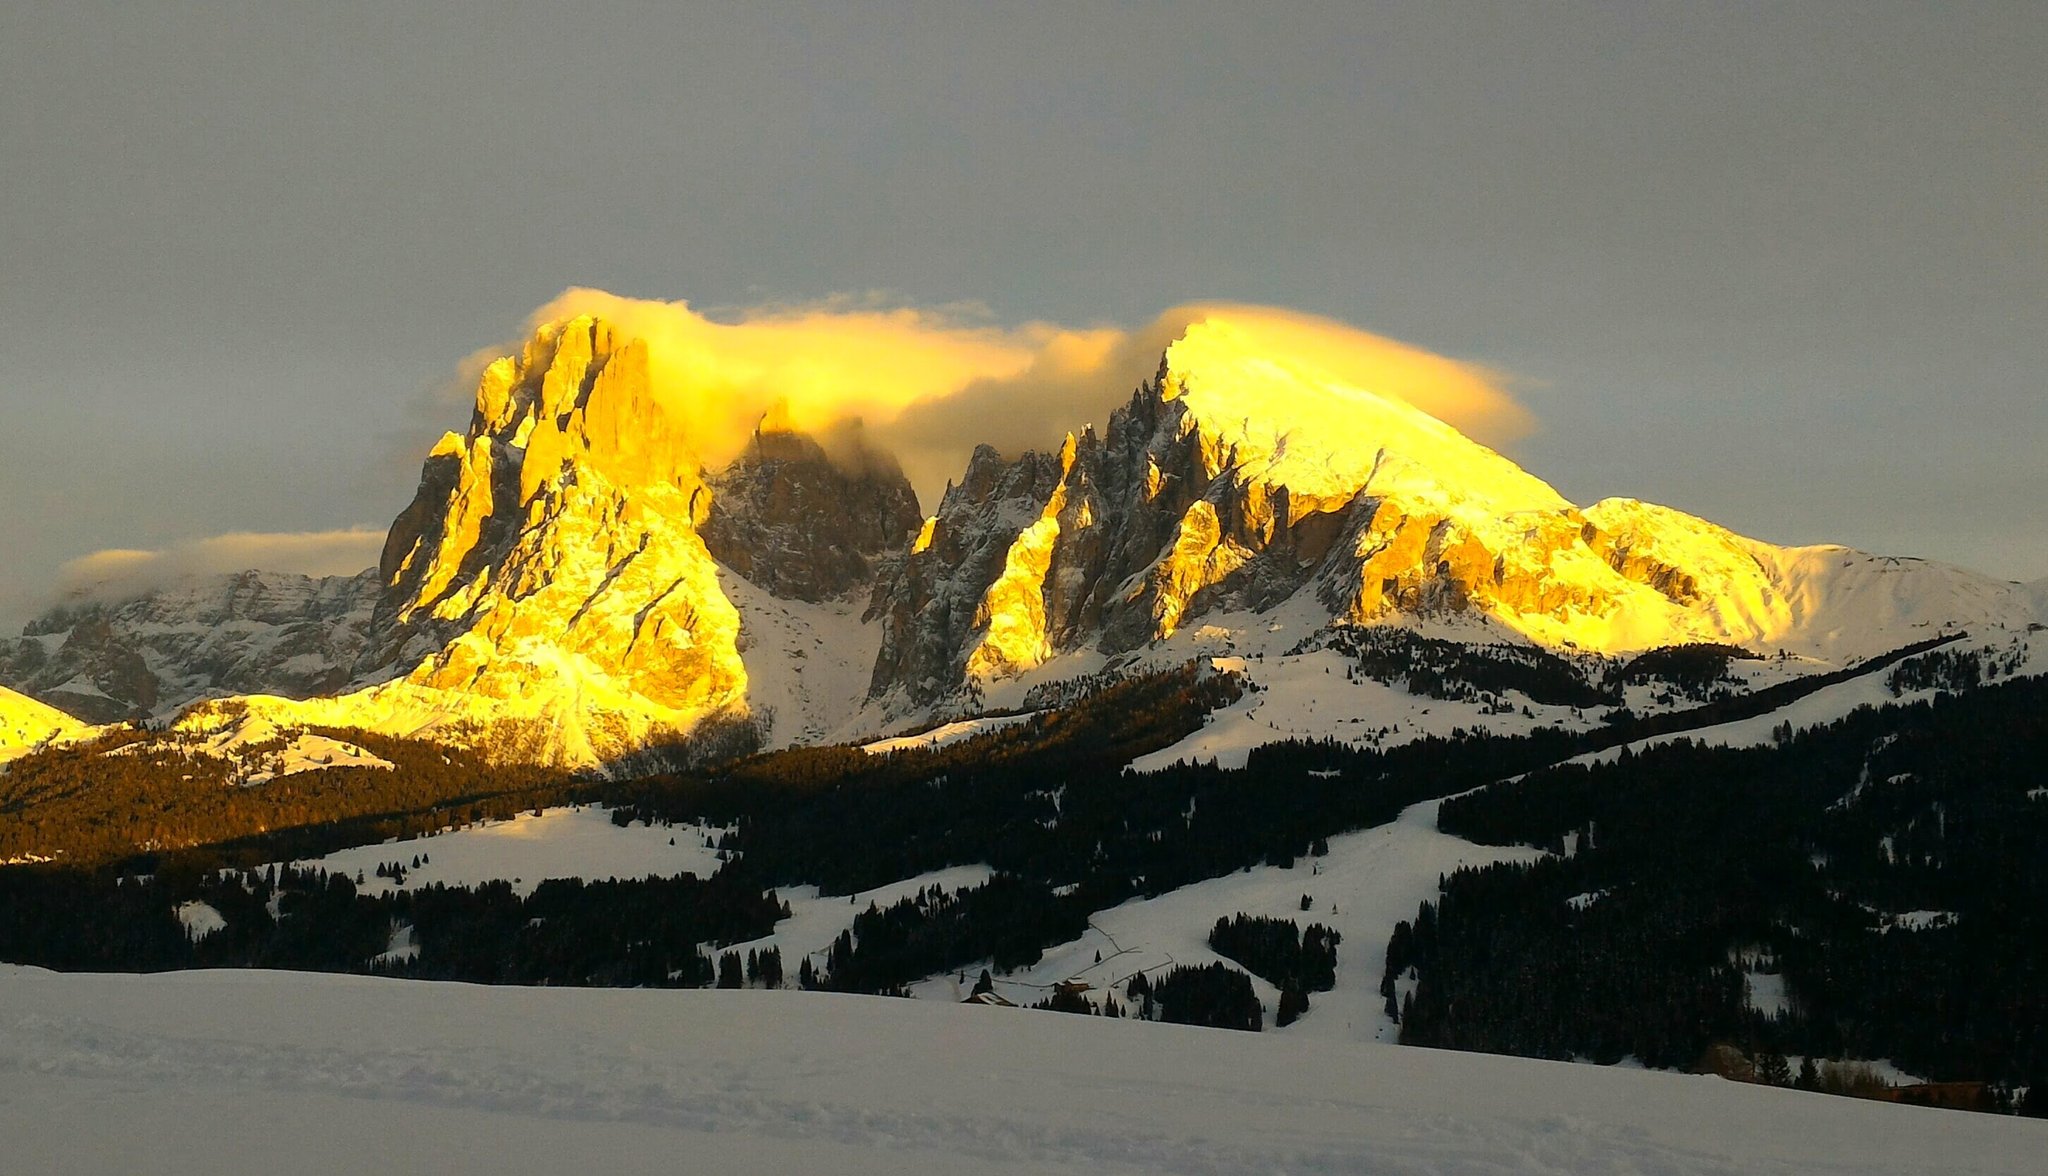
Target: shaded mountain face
[793,522]
[571,585]
[202,637]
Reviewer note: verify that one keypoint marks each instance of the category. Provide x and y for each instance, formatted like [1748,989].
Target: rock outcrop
[548,580]
[802,526]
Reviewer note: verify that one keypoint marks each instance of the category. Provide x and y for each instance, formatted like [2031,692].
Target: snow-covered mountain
[554,590]
[1238,481]
[155,652]
[572,583]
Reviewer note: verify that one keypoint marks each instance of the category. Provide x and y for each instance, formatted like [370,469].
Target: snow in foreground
[210,1072]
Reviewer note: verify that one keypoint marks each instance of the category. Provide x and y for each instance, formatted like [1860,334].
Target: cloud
[123,572]
[1469,397]
[925,386]
[818,367]
[1077,378]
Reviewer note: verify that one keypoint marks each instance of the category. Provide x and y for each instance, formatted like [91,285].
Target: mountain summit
[1238,480]
[572,583]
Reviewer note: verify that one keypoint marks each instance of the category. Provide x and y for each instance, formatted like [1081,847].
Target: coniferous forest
[1886,874]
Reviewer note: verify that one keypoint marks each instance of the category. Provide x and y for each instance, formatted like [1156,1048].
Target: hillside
[26,724]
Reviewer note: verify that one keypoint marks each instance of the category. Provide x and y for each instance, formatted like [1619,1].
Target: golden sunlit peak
[929,385]
[777,419]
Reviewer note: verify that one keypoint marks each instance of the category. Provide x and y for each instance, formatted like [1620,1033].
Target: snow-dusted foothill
[26,724]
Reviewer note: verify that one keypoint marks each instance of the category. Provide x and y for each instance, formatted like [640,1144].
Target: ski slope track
[238,1072]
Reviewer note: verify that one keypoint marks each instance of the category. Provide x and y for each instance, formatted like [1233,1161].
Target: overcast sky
[1783,266]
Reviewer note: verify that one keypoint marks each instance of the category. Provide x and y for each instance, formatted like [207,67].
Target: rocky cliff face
[246,633]
[1235,481]
[548,579]
[801,526]
[553,591]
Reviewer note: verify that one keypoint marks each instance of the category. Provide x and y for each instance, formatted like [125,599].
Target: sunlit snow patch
[559,843]
[949,733]
[200,919]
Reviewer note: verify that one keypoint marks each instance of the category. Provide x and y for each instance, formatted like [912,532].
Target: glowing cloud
[926,386]
[1466,396]
[120,572]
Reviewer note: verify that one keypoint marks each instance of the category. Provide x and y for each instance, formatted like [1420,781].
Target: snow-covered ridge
[1272,420]
[1241,482]
[945,734]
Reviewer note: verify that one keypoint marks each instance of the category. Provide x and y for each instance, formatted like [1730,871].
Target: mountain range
[573,584]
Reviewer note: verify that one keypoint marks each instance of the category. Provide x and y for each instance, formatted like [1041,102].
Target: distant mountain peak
[572,581]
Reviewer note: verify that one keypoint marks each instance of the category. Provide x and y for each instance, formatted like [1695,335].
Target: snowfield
[213,1072]
[946,734]
[579,842]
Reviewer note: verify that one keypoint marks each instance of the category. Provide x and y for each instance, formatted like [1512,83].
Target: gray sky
[1782,266]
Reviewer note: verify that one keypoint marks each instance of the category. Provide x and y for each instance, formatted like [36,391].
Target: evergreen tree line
[1954,670]
[567,931]
[1047,803]
[1006,920]
[124,799]
[1686,872]
[1461,672]
[1216,995]
[1296,962]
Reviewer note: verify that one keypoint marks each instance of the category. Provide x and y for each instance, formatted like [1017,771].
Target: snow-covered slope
[260,751]
[1369,881]
[26,724]
[272,1072]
